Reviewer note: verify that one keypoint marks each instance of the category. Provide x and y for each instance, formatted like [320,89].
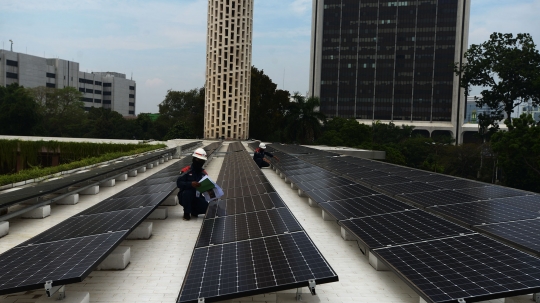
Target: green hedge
[37,172]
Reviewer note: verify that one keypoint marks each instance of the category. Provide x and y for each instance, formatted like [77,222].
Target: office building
[100,89]
[228,68]
[390,61]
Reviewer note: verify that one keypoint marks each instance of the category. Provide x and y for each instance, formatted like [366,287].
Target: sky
[162,43]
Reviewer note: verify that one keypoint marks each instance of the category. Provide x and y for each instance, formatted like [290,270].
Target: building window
[87,100]
[89,81]
[106,101]
[89,90]
[106,93]
[81,89]
[132,112]
[87,108]
[131,103]
[51,85]
[131,95]
[132,88]
[107,84]
[97,100]
[51,75]
[97,83]
[97,92]
[11,75]
[12,63]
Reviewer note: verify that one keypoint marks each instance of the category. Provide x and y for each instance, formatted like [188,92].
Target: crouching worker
[259,154]
[188,182]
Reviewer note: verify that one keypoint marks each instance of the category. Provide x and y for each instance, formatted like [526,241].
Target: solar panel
[477,213]
[412,173]
[523,234]
[311,177]
[64,261]
[220,208]
[434,198]
[431,178]
[530,203]
[143,190]
[254,266]
[459,184]
[384,181]
[472,268]
[492,192]
[401,228]
[363,207]
[251,190]
[247,226]
[323,183]
[111,205]
[302,171]
[406,188]
[367,175]
[155,181]
[81,226]
[340,193]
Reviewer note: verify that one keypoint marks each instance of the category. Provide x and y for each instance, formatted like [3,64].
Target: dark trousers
[261,163]
[192,205]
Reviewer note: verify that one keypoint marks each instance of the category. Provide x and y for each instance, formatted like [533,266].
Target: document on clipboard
[209,189]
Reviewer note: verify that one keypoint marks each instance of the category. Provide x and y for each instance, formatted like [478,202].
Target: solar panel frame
[340,193]
[492,192]
[522,234]
[363,207]
[442,197]
[406,188]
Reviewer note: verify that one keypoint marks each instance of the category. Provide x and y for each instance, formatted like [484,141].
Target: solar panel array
[69,251]
[81,179]
[250,243]
[441,260]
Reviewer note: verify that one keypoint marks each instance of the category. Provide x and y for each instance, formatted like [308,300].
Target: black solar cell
[110,205]
[492,192]
[323,183]
[64,261]
[255,266]
[406,188]
[459,184]
[401,228]
[492,211]
[340,193]
[520,233]
[441,197]
[362,207]
[473,268]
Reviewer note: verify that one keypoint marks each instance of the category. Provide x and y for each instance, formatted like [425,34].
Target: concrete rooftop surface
[159,264]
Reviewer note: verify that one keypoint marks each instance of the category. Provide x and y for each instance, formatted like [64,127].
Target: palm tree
[303,119]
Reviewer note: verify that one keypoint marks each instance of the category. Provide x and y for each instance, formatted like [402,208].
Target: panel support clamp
[201,300]
[461,300]
[312,286]
[51,290]
[299,294]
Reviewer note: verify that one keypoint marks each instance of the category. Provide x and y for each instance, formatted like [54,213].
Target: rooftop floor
[158,265]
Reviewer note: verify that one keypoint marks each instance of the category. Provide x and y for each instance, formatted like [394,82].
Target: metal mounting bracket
[201,300]
[299,294]
[461,300]
[51,290]
[312,287]
[536,297]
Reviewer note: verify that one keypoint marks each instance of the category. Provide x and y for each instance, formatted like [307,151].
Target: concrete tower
[228,68]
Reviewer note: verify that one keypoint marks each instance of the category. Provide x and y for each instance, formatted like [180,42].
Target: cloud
[300,6]
[152,83]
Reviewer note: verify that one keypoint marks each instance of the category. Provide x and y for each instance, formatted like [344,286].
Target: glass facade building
[389,60]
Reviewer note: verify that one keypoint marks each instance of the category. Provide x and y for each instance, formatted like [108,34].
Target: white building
[108,90]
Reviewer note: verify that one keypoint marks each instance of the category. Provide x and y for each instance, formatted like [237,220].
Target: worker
[194,203]
[259,158]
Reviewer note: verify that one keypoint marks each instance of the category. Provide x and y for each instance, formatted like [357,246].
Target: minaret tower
[228,69]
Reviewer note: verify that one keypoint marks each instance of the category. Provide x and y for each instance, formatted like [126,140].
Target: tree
[19,113]
[507,68]
[181,130]
[345,132]
[390,133]
[267,107]
[64,112]
[185,106]
[303,121]
[518,153]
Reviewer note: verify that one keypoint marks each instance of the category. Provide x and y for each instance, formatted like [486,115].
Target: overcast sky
[163,43]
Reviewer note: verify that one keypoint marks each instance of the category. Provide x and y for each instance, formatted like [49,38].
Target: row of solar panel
[69,251]
[442,261]
[80,179]
[250,243]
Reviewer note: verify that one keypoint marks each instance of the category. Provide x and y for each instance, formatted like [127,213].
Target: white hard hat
[200,153]
[262,145]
